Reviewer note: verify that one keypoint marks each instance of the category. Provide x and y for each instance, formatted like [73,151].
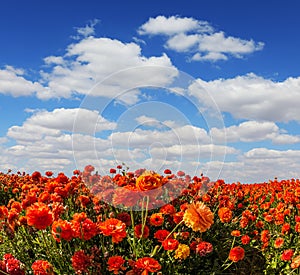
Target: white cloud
[217,42]
[106,67]
[87,30]
[186,34]
[13,82]
[252,131]
[182,42]
[162,25]
[52,123]
[252,97]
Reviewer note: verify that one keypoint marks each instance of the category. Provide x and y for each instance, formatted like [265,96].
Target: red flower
[41,267]
[204,248]
[287,255]
[125,218]
[170,244]
[236,254]
[138,231]
[147,264]
[167,209]
[278,242]
[113,227]
[80,262]
[36,175]
[115,264]
[39,215]
[265,236]
[112,171]
[180,174]
[49,173]
[161,234]
[285,228]
[85,230]
[245,239]
[167,172]
[156,219]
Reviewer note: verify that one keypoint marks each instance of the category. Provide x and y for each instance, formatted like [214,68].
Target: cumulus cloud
[252,97]
[14,83]
[162,25]
[51,123]
[252,131]
[186,34]
[105,67]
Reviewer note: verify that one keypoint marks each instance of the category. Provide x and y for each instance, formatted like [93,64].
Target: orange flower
[113,227]
[148,264]
[156,219]
[62,230]
[235,233]
[225,214]
[236,254]
[148,181]
[39,215]
[295,262]
[198,216]
[41,267]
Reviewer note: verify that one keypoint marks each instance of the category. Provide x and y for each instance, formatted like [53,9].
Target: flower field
[145,223]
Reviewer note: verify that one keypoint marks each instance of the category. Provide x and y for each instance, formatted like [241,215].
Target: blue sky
[199,86]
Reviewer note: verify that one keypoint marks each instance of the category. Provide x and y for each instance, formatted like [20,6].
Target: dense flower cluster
[142,222]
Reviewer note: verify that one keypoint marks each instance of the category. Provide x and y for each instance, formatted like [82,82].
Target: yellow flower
[182,252]
[198,216]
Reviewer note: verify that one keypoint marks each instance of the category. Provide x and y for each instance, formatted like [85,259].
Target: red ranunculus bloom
[287,255]
[138,231]
[80,262]
[236,254]
[161,235]
[170,244]
[204,248]
[115,264]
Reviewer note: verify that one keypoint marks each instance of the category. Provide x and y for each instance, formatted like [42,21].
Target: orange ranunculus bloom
[156,219]
[113,227]
[225,214]
[148,181]
[198,216]
[147,264]
[295,262]
[39,215]
[236,254]
[62,229]
[41,267]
